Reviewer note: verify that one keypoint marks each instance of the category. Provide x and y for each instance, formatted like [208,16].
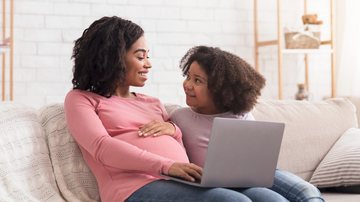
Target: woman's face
[137,63]
[198,96]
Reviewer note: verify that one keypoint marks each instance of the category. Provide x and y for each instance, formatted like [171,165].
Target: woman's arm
[157,128]
[89,132]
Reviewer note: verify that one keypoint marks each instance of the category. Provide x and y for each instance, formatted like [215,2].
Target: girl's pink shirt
[196,139]
[106,130]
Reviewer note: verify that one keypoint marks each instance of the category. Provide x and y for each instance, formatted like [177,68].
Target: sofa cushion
[341,166]
[25,168]
[341,197]
[311,128]
[75,180]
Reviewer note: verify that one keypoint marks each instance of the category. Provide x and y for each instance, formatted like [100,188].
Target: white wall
[45,31]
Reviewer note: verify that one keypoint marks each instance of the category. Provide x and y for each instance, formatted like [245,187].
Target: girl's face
[137,63]
[198,96]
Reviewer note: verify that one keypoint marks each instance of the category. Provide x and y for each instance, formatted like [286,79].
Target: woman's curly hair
[233,83]
[98,54]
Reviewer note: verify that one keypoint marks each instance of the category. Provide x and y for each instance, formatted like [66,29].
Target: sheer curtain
[348,47]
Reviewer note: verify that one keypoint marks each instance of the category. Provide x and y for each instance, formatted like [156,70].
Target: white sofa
[39,160]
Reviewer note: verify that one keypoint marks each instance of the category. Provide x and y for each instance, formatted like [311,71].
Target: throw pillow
[341,165]
[25,167]
[74,178]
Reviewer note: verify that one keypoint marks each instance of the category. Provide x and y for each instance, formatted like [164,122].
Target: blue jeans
[294,188]
[166,190]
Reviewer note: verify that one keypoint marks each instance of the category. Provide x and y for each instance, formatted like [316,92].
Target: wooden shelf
[281,51]
[307,51]
[4,49]
[7,50]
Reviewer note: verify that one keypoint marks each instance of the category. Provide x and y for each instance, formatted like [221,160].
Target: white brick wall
[45,31]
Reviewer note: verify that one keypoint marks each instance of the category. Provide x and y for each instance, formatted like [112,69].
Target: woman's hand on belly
[157,128]
[187,171]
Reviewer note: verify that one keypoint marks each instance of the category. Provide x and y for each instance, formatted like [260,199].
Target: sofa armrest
[356,102]
[25,166]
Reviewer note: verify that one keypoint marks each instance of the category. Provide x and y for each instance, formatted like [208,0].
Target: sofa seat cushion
[311,128]
[74,178]
[340,197]
[341,166]
[25,167]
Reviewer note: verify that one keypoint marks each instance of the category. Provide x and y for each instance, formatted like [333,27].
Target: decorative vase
[302,93]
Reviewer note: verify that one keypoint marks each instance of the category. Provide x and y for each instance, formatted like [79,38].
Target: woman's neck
[124,92]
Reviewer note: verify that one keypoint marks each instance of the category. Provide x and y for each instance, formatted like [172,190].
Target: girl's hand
[157,128]
[186,171]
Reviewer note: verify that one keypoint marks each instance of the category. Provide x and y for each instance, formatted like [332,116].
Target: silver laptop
[241,154]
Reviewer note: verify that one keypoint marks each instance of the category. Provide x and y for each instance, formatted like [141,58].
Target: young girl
[220,84]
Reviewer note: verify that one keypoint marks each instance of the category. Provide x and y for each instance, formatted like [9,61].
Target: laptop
[240,154]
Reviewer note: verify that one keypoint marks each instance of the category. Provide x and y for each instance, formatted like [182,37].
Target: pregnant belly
[164,145]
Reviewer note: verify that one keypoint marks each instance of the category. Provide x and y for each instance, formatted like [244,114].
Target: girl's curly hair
[232,82]
[98,54]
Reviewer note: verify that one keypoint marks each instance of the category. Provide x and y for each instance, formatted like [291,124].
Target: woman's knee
[263,194]
[224,195]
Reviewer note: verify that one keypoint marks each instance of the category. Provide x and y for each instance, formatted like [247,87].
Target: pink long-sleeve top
[106,130]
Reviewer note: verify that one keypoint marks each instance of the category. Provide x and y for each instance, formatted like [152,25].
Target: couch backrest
[311,128]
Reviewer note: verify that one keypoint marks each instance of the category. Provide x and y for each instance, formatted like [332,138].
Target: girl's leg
[261,194]
[295,188]
[166,190]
